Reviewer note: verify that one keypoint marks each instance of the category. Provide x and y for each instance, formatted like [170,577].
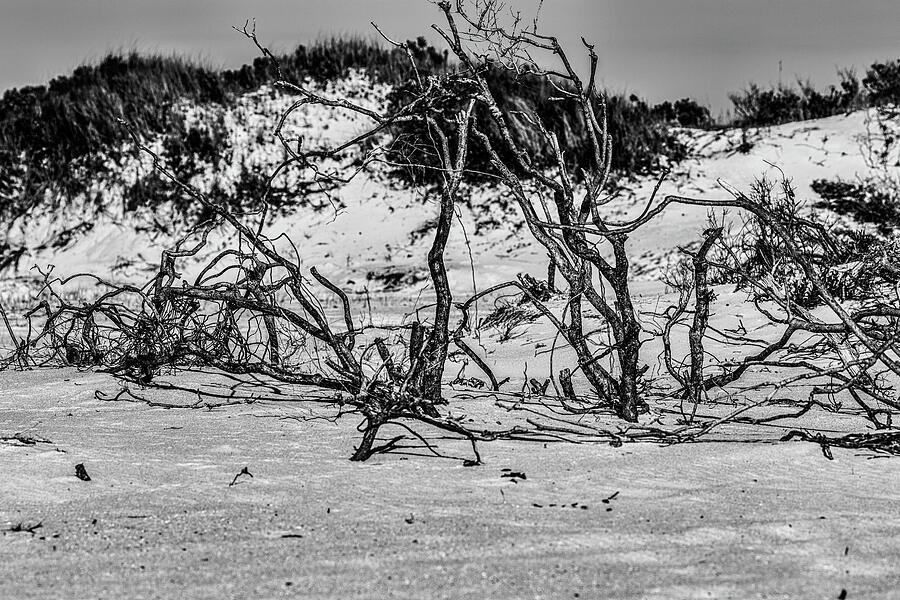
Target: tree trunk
[629,401]
[703,297]
[364,451]
[629,344]
[434,354]
[551,274]
[272,335]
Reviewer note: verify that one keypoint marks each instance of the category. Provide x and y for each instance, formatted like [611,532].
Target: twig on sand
[23,439]
[243,471]
[22,527]
[887,442]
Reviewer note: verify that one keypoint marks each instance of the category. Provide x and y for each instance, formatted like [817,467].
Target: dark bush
[332,59]
[882,82]
[640,140]
[250,188]
[686,112]
[758,107]
[147,191]
[641,137]
[755,107]
[865,201]
[187,148]
[691,114]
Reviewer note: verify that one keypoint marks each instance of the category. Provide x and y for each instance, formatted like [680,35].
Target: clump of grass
[511,312]
[508,315]
[641,139]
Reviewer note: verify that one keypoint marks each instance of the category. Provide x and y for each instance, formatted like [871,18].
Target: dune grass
[52,136]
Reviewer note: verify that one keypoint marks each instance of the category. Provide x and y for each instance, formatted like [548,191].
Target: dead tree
[697,285]
[570,220]
[232,318]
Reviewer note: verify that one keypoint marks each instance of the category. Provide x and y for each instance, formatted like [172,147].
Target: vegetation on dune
[57,137]
[757,106]
[686,112]
[53,137]
[60,137]
[75,115]
[641,137]
[882,83]
[852,263]
[865,201]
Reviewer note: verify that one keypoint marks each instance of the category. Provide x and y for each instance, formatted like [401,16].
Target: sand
[159,519]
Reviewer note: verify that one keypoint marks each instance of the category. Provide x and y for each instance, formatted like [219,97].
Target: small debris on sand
[22,527]
[81,473]
[514,475]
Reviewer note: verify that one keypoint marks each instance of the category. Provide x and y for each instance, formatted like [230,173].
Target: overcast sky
[657,48]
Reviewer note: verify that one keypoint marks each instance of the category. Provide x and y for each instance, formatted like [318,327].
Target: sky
[659,49]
